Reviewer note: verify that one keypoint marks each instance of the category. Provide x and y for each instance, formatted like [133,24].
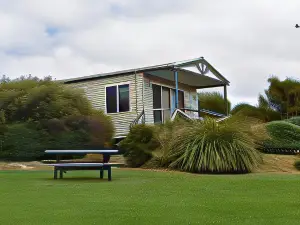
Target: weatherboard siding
[148,100]
[95,92]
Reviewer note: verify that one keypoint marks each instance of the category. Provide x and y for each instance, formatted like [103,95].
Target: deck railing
[182,113]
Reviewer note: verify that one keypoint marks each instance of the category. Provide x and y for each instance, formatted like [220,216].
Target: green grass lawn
[145,197]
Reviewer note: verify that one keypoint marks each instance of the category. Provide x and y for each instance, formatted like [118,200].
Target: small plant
[297,164]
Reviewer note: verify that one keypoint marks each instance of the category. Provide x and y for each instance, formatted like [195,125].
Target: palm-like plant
[283,95]
[208,146]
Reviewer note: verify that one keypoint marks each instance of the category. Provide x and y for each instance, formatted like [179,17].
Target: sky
[246,41]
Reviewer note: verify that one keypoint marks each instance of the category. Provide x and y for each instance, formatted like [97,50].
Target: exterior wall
[95,91]
[190,96]
[141,96]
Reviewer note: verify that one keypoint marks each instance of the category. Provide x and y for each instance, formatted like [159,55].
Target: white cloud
[247,41]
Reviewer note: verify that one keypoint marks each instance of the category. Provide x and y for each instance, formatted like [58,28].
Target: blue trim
[176,88]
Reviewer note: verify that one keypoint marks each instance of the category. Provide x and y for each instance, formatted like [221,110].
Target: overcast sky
[247,41]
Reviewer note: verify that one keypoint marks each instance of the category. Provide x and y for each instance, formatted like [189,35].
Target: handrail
[136,120]
[222,116]
[206,111]
[181,112]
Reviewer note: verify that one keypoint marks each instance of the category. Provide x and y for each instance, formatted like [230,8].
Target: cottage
[151,94]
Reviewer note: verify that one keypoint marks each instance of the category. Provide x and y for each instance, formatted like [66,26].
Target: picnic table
[63,167]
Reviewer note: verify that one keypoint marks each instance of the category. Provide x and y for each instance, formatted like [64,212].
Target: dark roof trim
[211,86]
[116,73]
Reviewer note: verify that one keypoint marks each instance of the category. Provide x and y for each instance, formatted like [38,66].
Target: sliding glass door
[164,102]
[156,89]
[166,111]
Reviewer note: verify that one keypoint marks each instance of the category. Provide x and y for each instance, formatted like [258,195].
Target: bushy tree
[38,114]
[31,99]
[283,95]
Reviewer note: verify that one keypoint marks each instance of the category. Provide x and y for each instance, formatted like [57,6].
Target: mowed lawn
[147,197]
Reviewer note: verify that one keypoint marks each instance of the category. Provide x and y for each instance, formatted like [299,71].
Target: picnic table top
[109,152]
[84,164]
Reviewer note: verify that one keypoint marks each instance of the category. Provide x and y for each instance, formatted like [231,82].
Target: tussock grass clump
[208,146]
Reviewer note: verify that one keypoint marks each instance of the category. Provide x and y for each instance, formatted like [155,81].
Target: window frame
[118,96]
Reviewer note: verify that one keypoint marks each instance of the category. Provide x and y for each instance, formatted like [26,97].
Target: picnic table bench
[63,167]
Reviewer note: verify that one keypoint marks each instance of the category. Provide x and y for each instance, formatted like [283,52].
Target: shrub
[28,141]
[138,145]
[297,164]
[282,135]
[294,120]
[20,142]
[99,127]
[3,129]
[206,146]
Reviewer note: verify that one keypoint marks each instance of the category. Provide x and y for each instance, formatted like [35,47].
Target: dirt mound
[272,164]
[278,164]
[22,166]
[41,166]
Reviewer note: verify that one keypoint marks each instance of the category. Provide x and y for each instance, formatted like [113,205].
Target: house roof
[167,66]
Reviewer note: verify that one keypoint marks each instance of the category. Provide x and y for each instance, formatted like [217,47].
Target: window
[123,98]
[111,99]
[117,98]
